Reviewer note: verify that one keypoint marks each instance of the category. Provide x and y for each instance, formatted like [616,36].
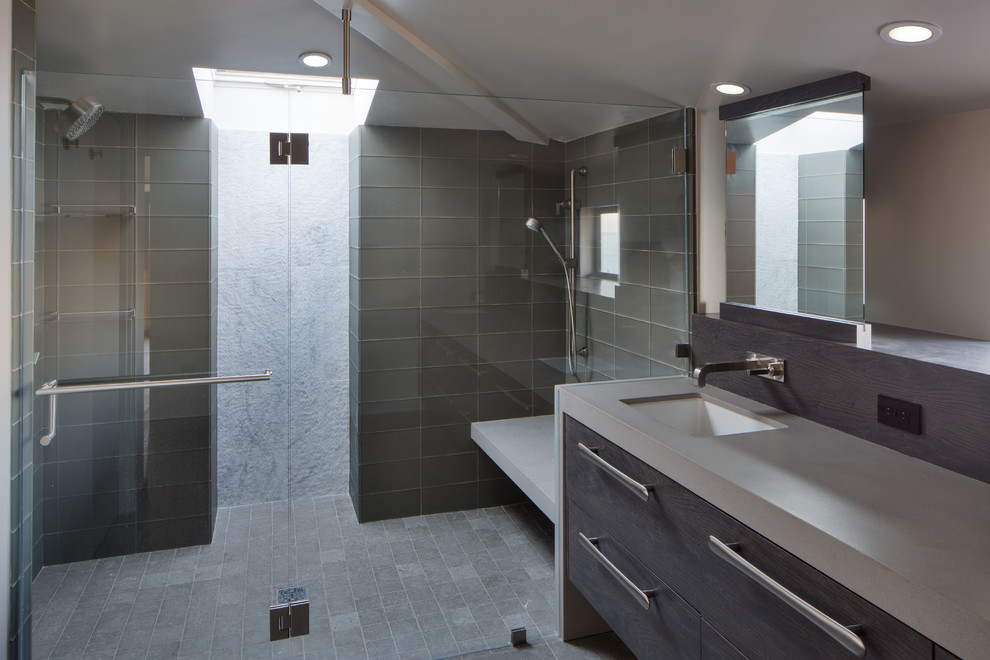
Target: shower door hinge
[681,161]
[289,620]
[288,148]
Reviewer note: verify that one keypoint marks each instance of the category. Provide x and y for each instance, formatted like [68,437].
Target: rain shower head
[78,117]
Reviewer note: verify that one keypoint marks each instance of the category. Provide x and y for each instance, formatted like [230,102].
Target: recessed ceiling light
[910,32]
[730,88]
[315,59]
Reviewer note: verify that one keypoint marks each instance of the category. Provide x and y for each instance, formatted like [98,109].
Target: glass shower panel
[143,492]
[89,327]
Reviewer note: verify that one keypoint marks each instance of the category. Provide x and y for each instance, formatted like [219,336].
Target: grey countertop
[908,536]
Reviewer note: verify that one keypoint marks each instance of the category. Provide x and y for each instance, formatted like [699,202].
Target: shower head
[78,117]
[533,224]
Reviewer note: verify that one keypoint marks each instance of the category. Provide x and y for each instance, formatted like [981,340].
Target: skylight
[258,101]
[816,133]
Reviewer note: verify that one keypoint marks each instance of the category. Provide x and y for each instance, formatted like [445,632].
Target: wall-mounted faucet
[756,365]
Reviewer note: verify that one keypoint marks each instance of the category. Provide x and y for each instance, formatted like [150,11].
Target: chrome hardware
[47,438]
[287,621]
[642,597]
[345,80]
[641,491]
[844,635]
[53,389]
[755,364]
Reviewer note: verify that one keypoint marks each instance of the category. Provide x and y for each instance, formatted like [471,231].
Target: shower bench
[524,449]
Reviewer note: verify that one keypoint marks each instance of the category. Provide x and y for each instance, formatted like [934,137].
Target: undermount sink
[699,415]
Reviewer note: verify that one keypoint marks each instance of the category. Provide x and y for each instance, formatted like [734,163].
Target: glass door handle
[53,390]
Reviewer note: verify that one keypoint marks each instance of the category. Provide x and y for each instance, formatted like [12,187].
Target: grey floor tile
[424,587]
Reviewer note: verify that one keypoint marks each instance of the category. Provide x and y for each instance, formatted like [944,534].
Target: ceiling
[612,56]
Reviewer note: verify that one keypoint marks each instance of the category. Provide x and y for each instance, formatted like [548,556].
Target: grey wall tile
[450,231]
[506,347]
[160,131]
[389,232]
[449,143]
[450,291]
[389,446]
[454,379]
[444,470]
[506,318]
[449,350]
[450,173]
[449,321]
[388,294]
[389,141]
[388,324]
[450,261]
[506,376]
[375,263]
[389,171]
[450,202]
[390,202]
[387,354]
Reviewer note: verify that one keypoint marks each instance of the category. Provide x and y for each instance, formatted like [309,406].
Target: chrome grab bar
[844,635]
[641,491]
[642,597]
[53,389]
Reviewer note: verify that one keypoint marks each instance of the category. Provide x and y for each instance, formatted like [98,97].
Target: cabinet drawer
[647,528]
[670,533]
[668,629]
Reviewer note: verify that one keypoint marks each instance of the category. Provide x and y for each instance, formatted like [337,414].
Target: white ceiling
[624,52]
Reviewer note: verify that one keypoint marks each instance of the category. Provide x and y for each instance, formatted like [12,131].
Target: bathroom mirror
[794,199]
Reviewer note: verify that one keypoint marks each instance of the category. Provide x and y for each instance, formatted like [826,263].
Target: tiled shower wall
[631,330]
[457,313]
[24,456]
[740,227]
[830,234]
[126,283]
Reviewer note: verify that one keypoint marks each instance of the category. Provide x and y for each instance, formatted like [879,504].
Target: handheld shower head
[533,224]
[78,117]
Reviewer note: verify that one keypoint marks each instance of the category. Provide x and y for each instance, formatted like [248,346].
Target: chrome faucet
[756,365]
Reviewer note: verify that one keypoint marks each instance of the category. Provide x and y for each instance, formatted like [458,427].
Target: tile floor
[424,587]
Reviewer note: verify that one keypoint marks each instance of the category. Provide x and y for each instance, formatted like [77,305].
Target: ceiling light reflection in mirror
[256,101]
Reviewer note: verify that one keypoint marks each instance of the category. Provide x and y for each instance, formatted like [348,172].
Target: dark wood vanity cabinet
[669,536]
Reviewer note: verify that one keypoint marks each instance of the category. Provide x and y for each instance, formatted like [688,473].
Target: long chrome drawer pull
[844,635]
[642,597]
[641,491]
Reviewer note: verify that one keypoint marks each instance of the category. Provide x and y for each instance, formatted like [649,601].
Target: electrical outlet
[902,415]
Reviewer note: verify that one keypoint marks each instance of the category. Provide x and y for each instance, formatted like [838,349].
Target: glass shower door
[162,506]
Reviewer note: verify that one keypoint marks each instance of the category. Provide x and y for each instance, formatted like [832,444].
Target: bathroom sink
[699,415]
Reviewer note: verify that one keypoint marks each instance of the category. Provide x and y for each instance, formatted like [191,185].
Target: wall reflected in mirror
[794,208]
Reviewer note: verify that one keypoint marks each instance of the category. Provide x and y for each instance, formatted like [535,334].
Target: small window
[608,237]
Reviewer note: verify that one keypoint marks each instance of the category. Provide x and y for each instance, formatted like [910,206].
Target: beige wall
[928,224]
[710,170]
